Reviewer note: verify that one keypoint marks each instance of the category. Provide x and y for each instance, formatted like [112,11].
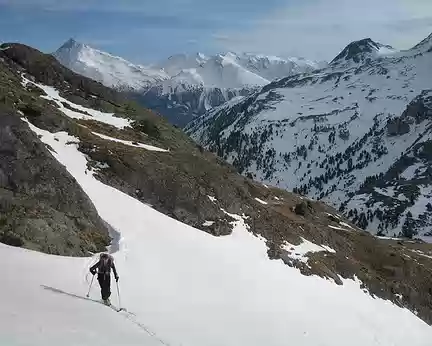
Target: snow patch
[82,112]
[130,143]
[339,228]
[346,225]
[387,238]
[300,252]
[213,199]
[261,201]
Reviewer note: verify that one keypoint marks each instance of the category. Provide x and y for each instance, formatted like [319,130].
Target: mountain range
[184,86]
[356,134]
[206,256]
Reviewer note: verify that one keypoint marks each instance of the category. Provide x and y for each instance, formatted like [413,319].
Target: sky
[147,31]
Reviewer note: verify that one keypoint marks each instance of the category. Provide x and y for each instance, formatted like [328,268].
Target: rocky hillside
[356,135]
[41,205]
[139,153]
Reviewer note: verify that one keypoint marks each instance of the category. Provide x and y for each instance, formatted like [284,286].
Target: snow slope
[182,286]
[112,71]
[326,132]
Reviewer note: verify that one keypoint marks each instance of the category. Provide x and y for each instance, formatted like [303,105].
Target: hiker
[103,269]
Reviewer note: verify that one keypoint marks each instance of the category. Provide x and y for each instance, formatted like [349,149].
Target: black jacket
[98,265]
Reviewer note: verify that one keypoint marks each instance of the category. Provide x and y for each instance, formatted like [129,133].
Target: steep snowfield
[110,70]
[325,132]
[185,287]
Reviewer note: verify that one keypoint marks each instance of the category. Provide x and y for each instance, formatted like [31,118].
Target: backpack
[105,263]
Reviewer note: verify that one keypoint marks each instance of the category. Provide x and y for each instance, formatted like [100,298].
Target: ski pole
[118,295]
[91,283]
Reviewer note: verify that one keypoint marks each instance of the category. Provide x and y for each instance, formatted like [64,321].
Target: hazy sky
[150,30]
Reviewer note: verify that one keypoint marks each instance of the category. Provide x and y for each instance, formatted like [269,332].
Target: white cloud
[319,29]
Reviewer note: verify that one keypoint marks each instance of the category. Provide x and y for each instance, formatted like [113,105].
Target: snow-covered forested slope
[183,86]
[356,134]
[205,255]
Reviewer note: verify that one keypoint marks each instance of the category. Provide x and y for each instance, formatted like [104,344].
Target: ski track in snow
[183,283]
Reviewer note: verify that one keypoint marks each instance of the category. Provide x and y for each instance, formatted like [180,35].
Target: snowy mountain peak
[360,51]
[105,68]
[71,50]
[71,43]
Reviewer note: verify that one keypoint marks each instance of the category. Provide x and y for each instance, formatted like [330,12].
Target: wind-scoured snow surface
[182,286]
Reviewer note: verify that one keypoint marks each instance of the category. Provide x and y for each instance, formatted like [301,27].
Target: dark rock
[303,208]
[11,239]
[41,205]
[397,127]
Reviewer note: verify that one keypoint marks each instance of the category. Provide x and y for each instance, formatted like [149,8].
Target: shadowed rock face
[41,204]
